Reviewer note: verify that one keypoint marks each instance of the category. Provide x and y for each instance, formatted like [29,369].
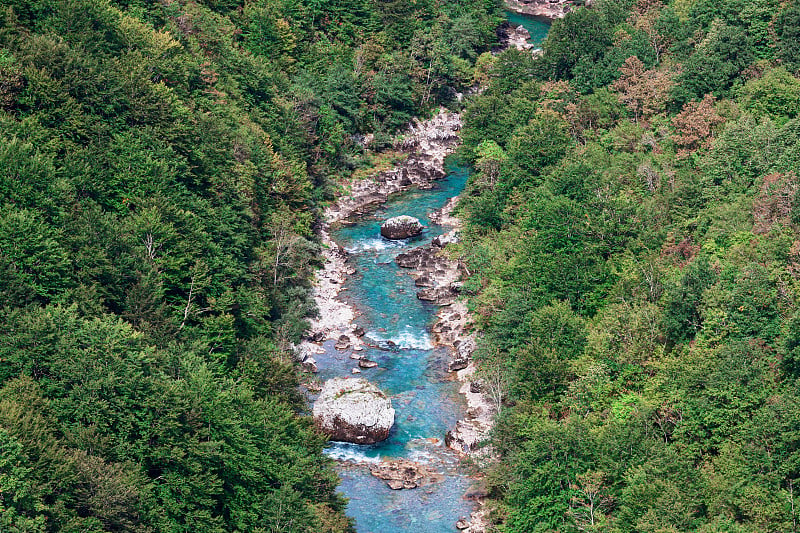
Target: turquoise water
[412,372]
[537,27]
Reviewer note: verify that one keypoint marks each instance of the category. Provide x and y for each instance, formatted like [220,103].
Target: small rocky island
[401,227]
[404,474]
[353,410]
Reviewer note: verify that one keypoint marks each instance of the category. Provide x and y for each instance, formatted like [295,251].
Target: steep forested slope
[161,164]
[633,233]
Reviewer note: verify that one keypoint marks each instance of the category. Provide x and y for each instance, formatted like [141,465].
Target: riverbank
[544,9]
[428,143]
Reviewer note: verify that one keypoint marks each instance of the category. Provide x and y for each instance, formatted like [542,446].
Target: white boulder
[401,227]
[353,410]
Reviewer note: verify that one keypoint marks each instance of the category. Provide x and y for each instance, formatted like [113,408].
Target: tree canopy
[162,165]
[632,238]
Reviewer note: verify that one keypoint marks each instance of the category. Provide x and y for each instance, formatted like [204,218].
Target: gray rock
[410,259]
[458,364]
[404,474]
[310,365]
[401,227]
[438,295]
[343,343]
[353,410]
[423,281]
[466,348]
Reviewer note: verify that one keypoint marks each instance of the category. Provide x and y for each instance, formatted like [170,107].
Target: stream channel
[410,369]
[412,372]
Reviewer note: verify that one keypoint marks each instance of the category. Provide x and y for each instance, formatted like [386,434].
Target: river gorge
[378,297]
[371,312]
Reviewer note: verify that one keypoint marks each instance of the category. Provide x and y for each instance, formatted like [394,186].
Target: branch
[188,304]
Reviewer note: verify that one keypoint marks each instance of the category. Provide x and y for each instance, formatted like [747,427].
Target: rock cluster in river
[548,9]
[404,474]
[436,275]
[401,227]
[353,410]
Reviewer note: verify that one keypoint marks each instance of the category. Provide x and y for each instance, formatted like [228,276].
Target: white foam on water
[423,457]
[410,338]
[417,340]
[375,244]
[350,453]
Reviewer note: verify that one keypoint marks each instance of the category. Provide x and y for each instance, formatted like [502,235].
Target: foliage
[632,241]
[162,165]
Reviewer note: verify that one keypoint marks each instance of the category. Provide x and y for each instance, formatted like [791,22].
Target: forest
[632,231]
[162,165]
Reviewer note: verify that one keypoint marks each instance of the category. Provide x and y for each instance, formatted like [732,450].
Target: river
[412,372]
[410,369]
[536,26]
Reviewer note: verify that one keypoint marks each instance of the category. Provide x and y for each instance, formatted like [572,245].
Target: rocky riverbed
[547,9]
[439,278]
[428,143]
[436,276]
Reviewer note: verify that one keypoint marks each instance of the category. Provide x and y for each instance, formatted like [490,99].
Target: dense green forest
[161,167]
[633,237]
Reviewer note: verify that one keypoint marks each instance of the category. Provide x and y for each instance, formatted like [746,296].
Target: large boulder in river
[401,227]
[353,410]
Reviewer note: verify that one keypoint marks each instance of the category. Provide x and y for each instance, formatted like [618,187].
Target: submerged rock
[404,474]
[401,227]
[353,410]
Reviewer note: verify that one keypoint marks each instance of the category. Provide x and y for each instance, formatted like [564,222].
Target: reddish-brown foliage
[681,253]
[694,125]
[11,83]
[645,92]
[774,202]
